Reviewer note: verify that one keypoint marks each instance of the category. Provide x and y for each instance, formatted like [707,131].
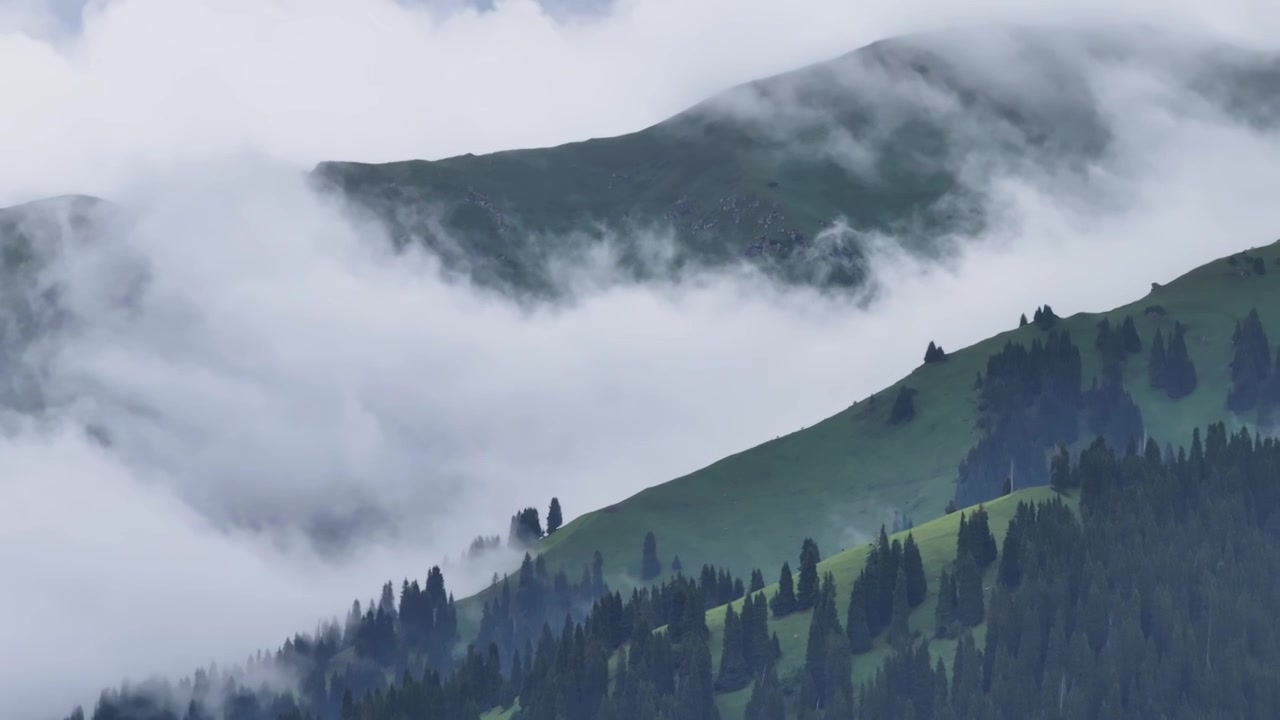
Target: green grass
[937,541]
[838,481]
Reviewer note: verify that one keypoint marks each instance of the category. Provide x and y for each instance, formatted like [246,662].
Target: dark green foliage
[757,581]
[898,629]
[970,605]
[807,586]
[1044,318]
[1112,414]
[934,354]
[1129,332]
[1155,602]
[746,650]
[1030,400]
[526,528]
[946,614]
[1060,478]
[1022,321]
[856,620]
[1250,363]
[975,539]
[766,701]
[904,406]
[650,565]
[676,566]
[784,601]
[1170,367]
[554,517]
[823,627]
[917,585]
[734,672]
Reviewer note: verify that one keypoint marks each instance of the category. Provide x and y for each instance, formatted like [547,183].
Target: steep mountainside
[898,137]
[841,479]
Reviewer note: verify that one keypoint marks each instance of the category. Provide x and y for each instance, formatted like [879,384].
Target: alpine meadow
[639,360]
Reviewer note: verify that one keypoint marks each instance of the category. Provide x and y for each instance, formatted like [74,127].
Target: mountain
[792,173]
[977,427]
[839,480]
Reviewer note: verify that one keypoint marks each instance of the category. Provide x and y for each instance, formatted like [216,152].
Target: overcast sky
[281,363]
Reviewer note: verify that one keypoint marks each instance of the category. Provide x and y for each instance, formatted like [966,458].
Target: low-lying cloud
[266,370]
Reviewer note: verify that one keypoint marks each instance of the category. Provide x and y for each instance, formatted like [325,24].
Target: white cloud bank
[281,364]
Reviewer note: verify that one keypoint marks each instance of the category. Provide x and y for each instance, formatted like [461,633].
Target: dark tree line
[1031,399]
[1155,601]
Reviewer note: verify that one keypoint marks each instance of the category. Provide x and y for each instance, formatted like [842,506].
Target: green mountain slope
[840,480]
[937,542]
[894,137]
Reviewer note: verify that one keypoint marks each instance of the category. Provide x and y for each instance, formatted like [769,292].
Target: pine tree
[650,566]
[807,587]
[1129,335]
[1158,364]
[1250,363]
[969,600]
[766,701]
[554,518]
[757,581]
[784,601]
[1022,321]
[899,631]
[1060,470]
[856,619]
[838,698]
[983,542]
[734,670]
[904,406]
[1180,374]
[913,567]
[946,612]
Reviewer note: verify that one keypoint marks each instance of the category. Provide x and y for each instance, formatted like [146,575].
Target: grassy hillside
[840,479]
[937,542]
[877,137]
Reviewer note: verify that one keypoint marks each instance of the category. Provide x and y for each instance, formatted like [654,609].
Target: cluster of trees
[934,354]
[526,525]
[1044,318]
[747,651]
[1031,400]
[890,584]
[1255,383]
[1079,624]
[1170,368]
[960,599]
[1116,345]
[792,597]
[1079,627]
[511,619]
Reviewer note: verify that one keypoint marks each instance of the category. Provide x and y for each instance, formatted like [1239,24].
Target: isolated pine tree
[784,601]
[554,518]
[650,566]
[734,670]
[856,619]
[807,587]
[904,406]
[1129,334]
[946,612]
[970,603]
[913,569]
[757,581]
[898,627]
